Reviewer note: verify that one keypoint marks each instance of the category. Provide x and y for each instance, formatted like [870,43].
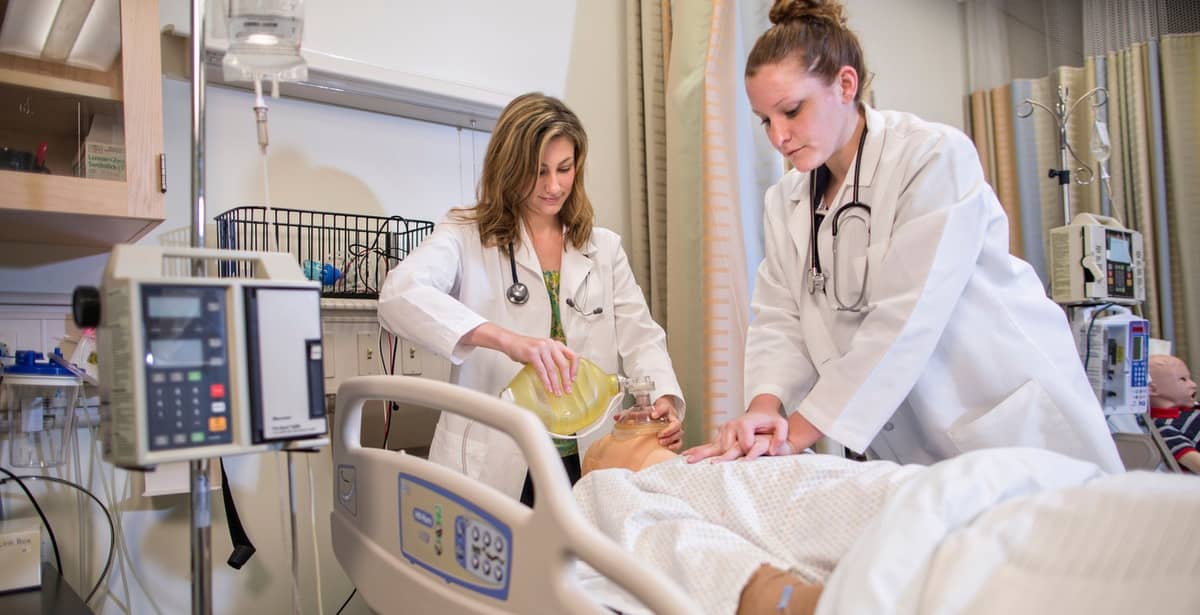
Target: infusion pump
[1114,345]
[198,367]
[1095,259]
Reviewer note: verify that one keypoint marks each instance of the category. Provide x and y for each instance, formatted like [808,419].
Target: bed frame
[388,509]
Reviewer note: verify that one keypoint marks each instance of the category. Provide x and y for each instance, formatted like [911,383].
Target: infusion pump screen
[173,307]
[1118,249]
[177,353]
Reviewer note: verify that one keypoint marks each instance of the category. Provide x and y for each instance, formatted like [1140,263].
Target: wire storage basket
[350,254]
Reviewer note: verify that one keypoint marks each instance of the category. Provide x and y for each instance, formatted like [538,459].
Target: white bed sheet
[800,513]
[996,531]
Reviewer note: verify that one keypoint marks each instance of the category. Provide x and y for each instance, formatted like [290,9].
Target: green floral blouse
[565,447]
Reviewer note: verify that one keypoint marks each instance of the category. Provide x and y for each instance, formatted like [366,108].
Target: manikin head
[1171,383]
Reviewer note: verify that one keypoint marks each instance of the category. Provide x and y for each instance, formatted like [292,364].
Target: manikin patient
[633,445]
[1172,407]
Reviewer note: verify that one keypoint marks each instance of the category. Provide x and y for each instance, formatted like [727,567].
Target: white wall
[595,88]
[916,51]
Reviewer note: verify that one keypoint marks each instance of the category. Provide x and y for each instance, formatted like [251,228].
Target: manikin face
[556,177]
[806,119]
[1171,383]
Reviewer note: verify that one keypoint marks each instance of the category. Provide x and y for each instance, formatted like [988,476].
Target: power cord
[1087,353]
[112,529]
[348,598]
[390,368]
[45,521]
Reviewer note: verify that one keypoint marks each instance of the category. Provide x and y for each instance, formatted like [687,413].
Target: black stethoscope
[518,292]
[817,278]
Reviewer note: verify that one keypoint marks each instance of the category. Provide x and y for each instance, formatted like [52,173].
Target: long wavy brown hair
[510,170]
[814,33]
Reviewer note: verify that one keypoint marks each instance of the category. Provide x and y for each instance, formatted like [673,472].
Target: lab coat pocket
[1027,417]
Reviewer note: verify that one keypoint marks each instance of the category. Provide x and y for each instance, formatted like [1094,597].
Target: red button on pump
[217,391]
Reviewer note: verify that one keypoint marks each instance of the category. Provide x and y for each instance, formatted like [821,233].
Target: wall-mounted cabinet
[81,134]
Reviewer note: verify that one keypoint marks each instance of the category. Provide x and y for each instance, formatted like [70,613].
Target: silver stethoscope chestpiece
[518,293]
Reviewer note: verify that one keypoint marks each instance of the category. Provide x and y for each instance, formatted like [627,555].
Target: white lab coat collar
[525,254]
[576,264]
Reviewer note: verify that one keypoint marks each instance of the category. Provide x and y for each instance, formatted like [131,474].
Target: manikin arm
[1191,461]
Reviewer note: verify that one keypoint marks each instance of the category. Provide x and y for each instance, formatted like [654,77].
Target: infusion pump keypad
[480,556]
[186,366]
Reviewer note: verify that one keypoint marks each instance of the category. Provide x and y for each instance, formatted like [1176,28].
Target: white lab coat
[452,284]
[961,348]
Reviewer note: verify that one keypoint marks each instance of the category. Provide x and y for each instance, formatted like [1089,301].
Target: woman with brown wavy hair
[523,277]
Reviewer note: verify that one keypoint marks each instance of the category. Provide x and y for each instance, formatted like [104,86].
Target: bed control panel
[453,538]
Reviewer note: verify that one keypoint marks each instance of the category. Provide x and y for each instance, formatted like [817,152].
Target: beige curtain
[991,129]
[726,294]
[1132,163]
[688,251]
[648,27]
[1180,60]
[667,48]
[1147,53]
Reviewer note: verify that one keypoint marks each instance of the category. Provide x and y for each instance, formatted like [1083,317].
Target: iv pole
[201,507]
[1062,115]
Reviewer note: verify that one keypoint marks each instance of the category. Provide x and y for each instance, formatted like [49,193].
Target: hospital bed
[995,531]
[415,537]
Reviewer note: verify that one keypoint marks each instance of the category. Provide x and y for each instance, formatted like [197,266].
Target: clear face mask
[638,419]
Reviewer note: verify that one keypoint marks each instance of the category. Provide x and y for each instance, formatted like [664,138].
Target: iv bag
[1098,144]
[264,41]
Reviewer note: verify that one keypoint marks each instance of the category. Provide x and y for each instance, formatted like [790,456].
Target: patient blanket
[709,525]
[992,531]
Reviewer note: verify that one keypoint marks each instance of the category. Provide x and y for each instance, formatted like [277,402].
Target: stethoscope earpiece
[595,312]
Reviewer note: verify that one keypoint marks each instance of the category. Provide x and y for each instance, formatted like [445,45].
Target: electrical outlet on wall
[369,361]
[410,359]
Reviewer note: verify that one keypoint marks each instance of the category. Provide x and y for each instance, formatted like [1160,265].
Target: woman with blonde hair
[523,277]
[888,313]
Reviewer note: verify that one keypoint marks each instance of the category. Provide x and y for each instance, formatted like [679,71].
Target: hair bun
[827,11]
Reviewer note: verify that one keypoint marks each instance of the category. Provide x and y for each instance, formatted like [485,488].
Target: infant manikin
[633,443]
